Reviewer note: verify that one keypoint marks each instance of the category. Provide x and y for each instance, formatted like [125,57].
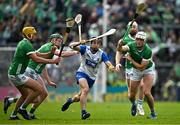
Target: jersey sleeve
[28,48]
[82,49]
[40,49]
[104,57]
[130,45]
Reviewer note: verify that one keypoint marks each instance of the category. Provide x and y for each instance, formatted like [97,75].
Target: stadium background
[161,21]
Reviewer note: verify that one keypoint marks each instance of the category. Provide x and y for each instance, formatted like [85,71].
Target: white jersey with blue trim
[90,62]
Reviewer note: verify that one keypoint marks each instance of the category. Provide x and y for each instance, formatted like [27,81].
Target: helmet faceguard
[141,35]
[55,35]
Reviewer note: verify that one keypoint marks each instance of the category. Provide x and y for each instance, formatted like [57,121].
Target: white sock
[31,114]
[140,102]
[11,100]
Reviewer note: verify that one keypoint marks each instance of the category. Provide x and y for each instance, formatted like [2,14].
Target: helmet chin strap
[29,36]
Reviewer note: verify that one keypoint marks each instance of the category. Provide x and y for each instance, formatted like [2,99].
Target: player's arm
[47,54]
[121,47]
[44,55]
[109,65]
[38,59]
[75,45]
[141,66]
[32,55]
[46,76]
[66,53]
[119,54]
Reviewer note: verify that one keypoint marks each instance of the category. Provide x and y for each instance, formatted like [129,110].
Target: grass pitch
[101,113]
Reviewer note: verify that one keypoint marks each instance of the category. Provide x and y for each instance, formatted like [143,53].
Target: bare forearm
[43,60]
[40,59]
[69,53]
[66,53]
[118,57]
[45,75]
[141,66]
[44,55]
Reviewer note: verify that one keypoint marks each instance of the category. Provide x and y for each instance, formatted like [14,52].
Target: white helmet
[141,35]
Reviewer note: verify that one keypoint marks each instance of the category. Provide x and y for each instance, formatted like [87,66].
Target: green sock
[14,113]
[32,110]
[15,99]
[24,106]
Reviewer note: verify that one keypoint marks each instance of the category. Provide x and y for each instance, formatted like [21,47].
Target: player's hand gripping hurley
[69,25]
[139,9]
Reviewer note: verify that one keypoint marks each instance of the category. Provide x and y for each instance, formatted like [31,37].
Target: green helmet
[55,35]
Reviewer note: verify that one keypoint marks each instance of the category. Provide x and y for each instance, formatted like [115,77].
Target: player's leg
[21,82]
[128,85]
[128,73]
[132,96]
[36,90]
[8,101]
[75,98]
[148,81]
[140,99]
[40,98]
[24,94]
[84,87]
[135,79]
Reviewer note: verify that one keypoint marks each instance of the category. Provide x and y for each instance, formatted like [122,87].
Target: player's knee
[44,93]
[39,89]
[37,92]
[85,90]
[36,100]
[141,86]
[147,93]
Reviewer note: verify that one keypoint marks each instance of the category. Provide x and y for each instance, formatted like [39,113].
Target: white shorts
[31,73]
[18,80]
[137,75]
[128,73]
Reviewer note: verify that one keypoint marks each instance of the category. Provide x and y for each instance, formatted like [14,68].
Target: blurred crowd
[161,21]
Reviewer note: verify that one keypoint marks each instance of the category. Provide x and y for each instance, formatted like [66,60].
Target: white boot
[140,109]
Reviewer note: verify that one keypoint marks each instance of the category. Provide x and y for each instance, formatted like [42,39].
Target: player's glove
[111,68]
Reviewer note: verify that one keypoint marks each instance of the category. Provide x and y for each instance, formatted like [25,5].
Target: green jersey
[21,59]
[38,67]
[127,40]
[137,55]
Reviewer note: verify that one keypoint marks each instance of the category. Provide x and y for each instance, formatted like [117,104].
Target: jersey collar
[131,37]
